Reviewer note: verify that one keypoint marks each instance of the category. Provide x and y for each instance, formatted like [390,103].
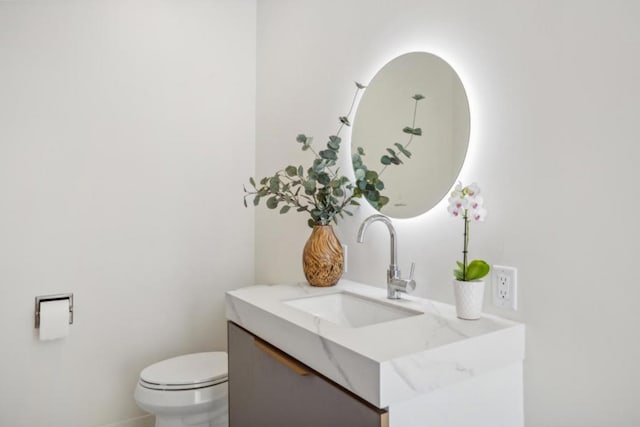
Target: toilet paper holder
[45,298]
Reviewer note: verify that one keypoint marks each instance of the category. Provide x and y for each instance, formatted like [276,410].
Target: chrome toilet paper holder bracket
[58,297]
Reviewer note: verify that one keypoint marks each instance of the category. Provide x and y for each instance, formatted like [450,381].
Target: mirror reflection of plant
[369,182]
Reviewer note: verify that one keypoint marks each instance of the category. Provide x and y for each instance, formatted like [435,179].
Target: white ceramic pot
[469,296]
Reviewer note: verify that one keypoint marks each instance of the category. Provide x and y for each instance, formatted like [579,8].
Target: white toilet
[189,390]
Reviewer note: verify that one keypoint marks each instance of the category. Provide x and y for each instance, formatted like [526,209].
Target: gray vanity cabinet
[269,388]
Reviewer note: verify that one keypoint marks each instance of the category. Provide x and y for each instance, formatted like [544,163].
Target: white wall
[126,130]
[554,93]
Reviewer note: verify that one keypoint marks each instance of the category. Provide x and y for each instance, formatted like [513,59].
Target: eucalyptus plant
[321,190]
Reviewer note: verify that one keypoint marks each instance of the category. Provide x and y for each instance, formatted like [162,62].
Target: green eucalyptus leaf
[360,85]
[311,223]
[373,195]
[403,150]
[356,161]
[345,121]
[418,97]
[392,152]
[385,160]
[338,192]
[360,173]
[412,131]
[272,202]
[245,202]
[360,151]
[256,200]
[379,185]
[328,154]
[310,186]
[396,161]
[252,182]
[324,178]
[274,184]
[371,176]
[334,142]
[284,209]
[301,138]
[291,170]
[383,200]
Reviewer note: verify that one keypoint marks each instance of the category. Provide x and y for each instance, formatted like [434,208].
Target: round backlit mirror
[428,137]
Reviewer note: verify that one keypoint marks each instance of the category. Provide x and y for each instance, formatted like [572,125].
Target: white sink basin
[351,310]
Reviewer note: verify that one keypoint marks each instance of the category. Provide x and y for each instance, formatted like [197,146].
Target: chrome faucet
[395,283]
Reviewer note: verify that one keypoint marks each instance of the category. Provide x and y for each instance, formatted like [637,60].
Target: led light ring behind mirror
[386,107]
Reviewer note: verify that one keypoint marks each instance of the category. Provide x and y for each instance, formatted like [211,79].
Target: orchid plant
[466,203]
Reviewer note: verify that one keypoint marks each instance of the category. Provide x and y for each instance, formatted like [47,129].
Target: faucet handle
[397,284]
[411,284]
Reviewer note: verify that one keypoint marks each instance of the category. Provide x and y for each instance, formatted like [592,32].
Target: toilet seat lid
[186,372]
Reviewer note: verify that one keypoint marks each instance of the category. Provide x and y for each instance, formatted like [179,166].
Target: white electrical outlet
[505,287]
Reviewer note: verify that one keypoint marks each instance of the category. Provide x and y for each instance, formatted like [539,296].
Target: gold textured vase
[322,257]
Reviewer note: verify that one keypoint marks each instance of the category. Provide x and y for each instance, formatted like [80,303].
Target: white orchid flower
[457,205]
[472,190]
[475,202]
[478,214]
[454,211]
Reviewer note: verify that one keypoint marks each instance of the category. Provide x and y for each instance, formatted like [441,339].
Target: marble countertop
[383,363]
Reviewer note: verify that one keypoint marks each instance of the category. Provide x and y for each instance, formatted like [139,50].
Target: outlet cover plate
[505,287]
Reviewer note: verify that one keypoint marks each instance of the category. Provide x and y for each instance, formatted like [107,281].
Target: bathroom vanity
[348,356]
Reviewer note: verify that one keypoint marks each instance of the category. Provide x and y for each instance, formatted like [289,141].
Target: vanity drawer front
[270,388]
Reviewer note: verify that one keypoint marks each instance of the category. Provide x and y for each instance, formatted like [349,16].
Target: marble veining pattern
[332,358]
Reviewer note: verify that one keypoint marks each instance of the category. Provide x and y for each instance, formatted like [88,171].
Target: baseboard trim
[143,421]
